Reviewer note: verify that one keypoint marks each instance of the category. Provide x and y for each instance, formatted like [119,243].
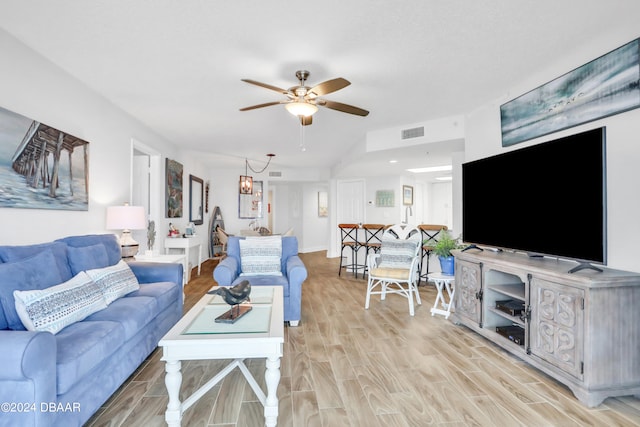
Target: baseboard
[312,249]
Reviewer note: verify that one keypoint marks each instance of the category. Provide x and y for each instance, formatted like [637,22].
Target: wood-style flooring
[347,366]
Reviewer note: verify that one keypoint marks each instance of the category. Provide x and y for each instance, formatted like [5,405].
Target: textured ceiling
[176,65]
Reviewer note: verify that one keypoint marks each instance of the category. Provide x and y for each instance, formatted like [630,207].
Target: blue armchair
[227,273]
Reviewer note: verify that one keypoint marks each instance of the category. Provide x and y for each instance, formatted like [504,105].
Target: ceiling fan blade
[266,104]
[329,86]
[338,106]
[306,120]
[266,86]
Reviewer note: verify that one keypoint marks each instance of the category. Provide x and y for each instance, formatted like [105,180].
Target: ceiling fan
[303,101]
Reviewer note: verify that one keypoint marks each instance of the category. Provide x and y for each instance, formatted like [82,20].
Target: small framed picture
[407,195]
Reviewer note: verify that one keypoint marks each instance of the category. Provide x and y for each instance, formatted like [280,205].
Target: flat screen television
[547,199]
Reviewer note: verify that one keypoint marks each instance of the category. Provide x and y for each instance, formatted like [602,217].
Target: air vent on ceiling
[413,133]
[275,173]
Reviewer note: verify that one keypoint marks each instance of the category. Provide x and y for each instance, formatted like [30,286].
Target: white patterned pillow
[261,255]
[396,253]
[115,281]
[54,308]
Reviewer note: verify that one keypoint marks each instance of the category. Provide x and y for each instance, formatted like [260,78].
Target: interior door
[350,205]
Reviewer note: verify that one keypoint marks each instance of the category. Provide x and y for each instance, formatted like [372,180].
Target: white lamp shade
[301,108]
[126,218]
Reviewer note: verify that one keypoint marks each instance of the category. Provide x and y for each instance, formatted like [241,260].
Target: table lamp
[126,218]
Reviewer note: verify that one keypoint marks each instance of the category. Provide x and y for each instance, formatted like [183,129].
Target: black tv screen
[546,199]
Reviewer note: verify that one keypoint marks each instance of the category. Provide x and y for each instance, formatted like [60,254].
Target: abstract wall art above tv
[41,167]
[603,87]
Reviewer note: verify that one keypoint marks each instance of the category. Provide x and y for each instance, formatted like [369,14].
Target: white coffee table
[258,334]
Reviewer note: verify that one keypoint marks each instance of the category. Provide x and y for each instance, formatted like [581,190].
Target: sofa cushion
[261,255]
[56,307]
[109,241]
[83,346]
[115,281]
[264,280]
[87,258]
[165,293]
[59,250]
[36,272]
[133,313]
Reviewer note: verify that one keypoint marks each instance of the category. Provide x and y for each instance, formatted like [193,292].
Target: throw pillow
[115,281]
[87,258]
[36,272]
[395,253]
[261,256]
[58,249]
[54,308]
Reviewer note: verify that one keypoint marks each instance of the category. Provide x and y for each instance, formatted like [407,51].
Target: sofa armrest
[296,270]
[151,272]
[28,373]
[296,274]
[226,271]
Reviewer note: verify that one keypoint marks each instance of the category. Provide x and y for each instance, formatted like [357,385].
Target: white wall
[623,151]
[377,214]
[315,228]
[295,204]
[35,88]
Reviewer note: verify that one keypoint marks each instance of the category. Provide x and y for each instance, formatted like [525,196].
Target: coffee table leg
[272,378]
[173,380]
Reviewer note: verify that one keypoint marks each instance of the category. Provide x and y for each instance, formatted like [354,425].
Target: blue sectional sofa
[289,273]
[62,378]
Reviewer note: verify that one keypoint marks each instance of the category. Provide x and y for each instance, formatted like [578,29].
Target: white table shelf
[187,244]
[443,282]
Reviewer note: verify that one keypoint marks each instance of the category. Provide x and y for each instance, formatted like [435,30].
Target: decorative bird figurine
[234,295]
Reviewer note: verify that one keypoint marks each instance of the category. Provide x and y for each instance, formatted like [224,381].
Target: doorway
[146,190]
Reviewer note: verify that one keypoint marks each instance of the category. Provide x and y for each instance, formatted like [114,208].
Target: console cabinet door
[468,290]
[556,329]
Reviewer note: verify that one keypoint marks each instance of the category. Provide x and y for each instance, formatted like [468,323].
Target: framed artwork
[407,195]
[173,194]
[603,87]
[250,205]
[41,167]
[385,198]
[195,199]
[323,204]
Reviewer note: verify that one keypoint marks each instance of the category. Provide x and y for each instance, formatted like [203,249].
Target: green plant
[444,244]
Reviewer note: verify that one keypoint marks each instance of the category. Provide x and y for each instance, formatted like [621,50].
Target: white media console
[583,328]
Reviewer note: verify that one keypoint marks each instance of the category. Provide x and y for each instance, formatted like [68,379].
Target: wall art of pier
[40,158]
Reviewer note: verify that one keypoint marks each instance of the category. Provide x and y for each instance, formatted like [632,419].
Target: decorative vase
[447,265]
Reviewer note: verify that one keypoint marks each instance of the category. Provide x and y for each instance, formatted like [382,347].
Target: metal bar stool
[430,234]
[349,239]
[372,239]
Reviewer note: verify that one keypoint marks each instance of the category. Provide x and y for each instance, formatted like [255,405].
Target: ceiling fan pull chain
[302,147]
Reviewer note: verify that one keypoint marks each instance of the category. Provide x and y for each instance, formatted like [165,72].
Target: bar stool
[349,239]
[430,233]
[372,239]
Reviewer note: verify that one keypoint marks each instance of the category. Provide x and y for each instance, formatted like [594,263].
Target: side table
[443,282]
[186,244]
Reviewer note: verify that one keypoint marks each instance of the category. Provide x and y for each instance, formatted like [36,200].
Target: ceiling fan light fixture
[301,108]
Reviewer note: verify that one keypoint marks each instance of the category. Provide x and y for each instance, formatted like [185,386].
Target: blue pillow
[87,258]
[59,250]
[37,272]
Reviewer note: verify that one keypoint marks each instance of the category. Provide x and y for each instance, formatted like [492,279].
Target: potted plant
[442,248]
